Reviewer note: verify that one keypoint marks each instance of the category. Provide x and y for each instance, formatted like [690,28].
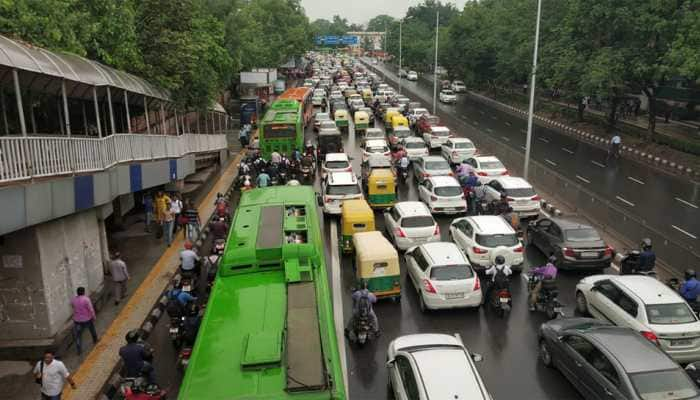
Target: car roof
[460,140]
[567,223]
[448,374]
[634,352]
[444,253]
[439,128]
[336,157]
[444,181]
[412,208]
[342,178]
[433,158]
[647,289]
[373,130]
[513,182]
[494,224]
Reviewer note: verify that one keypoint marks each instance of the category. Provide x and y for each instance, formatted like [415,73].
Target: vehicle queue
[497,215]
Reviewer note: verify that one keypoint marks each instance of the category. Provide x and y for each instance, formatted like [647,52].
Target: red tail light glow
[651,336]
[535,198]
[428,287]
[505,172]
[482,174]
[436,232]
[608,251]
[479,250]
[400,233]
[510,199]
[433,198]
[569,252]
[477,284]
[518,249]
[328,200]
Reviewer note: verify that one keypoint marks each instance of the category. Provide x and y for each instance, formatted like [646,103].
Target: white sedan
[448,96]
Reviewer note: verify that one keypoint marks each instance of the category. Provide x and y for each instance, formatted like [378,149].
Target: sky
[361,11]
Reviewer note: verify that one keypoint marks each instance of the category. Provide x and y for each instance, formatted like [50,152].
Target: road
[668,203]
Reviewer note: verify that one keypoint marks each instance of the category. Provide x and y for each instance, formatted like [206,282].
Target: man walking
[83,318]
[52,375]
[148,210]
[168,222]
[176,210]
[120,275]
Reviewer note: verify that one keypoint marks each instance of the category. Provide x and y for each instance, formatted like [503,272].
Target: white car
[416,113]
[375,148]
[412,76]
[410,223]
[336,162]
[484,237]
[646,305]
[487,168]
[327,125]
[319,118]
[442,276]
[317,101]
[415,148]
[426,167]
[447,96]
[459,87]
[443,195]
[456,150]
[520,194]
[374,133]
[437,136]
[433,366]
[338,187]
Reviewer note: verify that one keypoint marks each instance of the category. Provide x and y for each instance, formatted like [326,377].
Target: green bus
[282,128]
[268,330]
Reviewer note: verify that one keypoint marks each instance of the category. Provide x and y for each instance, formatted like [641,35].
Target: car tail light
[504,293]
[428,287]
[569,252]
[400,233]
[608,251]
[433,198]
[518,249]
[455,154]
[535,198]
[510,199]
[479,250]
[328,200]
[436,232]
[425,175]
[482,174]
[477,284]
[651,336]
[505,172]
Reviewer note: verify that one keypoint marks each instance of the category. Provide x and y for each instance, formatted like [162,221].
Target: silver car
[426,167]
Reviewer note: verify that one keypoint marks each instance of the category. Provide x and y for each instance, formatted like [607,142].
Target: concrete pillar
[177,125]
[111,111]
[20,108]
[97,111]
[145,113]
[66,114]
[32,119]
[85,124]
[213,129]
[199,116]
[128,115]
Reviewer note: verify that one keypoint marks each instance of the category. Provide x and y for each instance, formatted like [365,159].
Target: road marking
[523,131]
[635,180]
[686,203]
[579,177]
[523,147]
[489,130]
[476,122]
[598,164]
[629,203]
[567,150]
[338,300]
[505,138]
[685,232]
[493,117]
[481,112]
[550,162]
[543,139]
[508,123]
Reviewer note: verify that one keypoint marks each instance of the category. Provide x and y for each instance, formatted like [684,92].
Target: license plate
[589,254]
[173,330]
[454,295]
[681,342]
[187,288]
[504,300]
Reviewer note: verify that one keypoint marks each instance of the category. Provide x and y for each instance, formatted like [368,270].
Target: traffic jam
[459,281]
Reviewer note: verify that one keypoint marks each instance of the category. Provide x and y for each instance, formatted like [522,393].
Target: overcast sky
[361,11]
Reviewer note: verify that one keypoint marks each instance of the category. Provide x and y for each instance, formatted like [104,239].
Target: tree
[684,54]
[379,23]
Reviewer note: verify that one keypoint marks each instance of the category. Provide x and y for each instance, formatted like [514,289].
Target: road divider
[635,180]
[579,177]
[597,164]
[567,150]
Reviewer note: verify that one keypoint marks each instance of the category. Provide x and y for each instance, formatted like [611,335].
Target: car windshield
[323,117]
[440,133]
[372,134]
[520,192]
[414,145]
[339,190]
[491,165]
[402,133]
[464,145]
[507,240]
[436,165]
[448,191]
[581,235]
[448,92]
[667,314]
[327,125]
[377,149]
[337,164]
[663,385]
[419,221]
[450,273]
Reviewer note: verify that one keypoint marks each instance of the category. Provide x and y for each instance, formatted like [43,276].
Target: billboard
[333,40]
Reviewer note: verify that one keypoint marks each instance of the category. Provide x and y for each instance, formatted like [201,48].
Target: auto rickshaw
[381,188]
[341,120]
[377,264]
[398,120]
[367,95]
[357,216]
[388,116]
[361,121]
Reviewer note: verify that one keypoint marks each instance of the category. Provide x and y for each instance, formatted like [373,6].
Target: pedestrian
[193,223]
[161,201]
[176,210]
[148,211]
[120,275]
[52,375]
[83,318]
[168,223]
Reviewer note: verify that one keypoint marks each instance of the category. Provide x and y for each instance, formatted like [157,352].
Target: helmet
[188,245]
[500,260]
[552,259]
[689,273]
[646,243]
[132,336]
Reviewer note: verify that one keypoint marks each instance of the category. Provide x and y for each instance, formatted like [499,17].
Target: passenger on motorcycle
[464,169]
[548,271]
[499,273]
[137,356]
[647,257]
[402,165]
[362,300]
[219,229]
[263,179]
[275,157]
[398,154]
[296,155]
[690,289]
[189,260]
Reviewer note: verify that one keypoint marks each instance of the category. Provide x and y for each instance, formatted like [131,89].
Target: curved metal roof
[25,57]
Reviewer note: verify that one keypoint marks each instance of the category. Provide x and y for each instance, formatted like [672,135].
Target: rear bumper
[438,302]
[406,243]
[568,263]
[452,210]
[683,355]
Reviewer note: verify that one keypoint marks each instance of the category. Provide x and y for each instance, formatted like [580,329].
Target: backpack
[500,280]
[173,307]
[363,305]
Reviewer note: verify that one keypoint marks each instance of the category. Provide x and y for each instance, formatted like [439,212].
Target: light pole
[400,51]
[531,111]
[437,25]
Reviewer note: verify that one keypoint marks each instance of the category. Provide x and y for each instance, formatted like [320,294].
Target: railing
[24,158]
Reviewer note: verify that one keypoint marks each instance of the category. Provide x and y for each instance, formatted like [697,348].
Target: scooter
[547,300]
[501,299]
[361,331]
[403,173]
[629,264]
[138,389]
[183,358]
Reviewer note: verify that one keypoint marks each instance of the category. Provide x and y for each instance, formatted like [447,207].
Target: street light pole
[437,25]
[400,51]
[531,111]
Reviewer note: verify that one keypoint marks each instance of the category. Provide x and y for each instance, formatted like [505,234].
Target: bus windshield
[279,131]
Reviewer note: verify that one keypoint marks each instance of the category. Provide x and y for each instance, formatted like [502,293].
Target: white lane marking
[579,177]
[523,147]
[635,180]
[550,162]
[598,164]
[505,138]
[686,203]
[508,123]
[338,300]
[684,232]
[567,150]
[476,122]
[543,139]
[523,131]
[481,112]
[629,203]
[489,129]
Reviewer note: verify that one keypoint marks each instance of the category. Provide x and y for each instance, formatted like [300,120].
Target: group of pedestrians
[170,213]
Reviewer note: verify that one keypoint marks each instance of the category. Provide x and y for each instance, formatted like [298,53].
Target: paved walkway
[100,363]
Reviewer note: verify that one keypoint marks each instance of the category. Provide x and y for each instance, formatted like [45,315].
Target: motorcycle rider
[403,164]
[548,271]
[470,183]
[499,272]
[647,257]
[219,229]
[690,289]
[296,155]
[263,179]
[137,356]
[362,300]
[275,157]
[191,324]
[189,260]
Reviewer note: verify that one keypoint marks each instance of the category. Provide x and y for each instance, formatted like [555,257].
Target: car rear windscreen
[450,273]
[414,145]
[663,385]
[440,133]
[340,190]
[491,165]
[448,191]
[464,145]
[667,314]
[581,235]
[337,164]
[507,240]
[420,221]
[520,192]
[436,165]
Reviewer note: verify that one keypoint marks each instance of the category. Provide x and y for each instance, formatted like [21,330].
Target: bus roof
[277,116]
[297,93]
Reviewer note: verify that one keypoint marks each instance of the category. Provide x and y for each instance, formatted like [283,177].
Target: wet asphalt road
[668,203]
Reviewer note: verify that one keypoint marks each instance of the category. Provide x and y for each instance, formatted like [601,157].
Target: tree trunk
[651,109]
[580,108]
[613,110]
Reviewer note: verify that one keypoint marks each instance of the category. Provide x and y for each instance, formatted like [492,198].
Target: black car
[613,363]
[574,244]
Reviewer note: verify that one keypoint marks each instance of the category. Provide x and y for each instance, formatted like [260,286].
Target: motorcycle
[361,330]
[175,331]
[183,358]
[693,371]
[139,389]
[547,300]
[189,283]
[501,298]
[629,264]
[306,174]
[403,173]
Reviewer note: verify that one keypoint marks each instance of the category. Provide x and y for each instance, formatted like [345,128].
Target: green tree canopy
[380,23]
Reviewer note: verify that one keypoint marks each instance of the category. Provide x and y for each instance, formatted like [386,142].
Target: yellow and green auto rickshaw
[381,188]
[341,120]
[377,264]
[356,216]
[388,116]
[398,120]
[361,121]
[367,95]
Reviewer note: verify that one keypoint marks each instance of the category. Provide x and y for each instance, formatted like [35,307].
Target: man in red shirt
[83,317]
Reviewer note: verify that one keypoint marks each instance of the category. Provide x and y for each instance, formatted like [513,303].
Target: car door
[446,148]
[605,299]
[573,352]
[605,379]
[415,263]
[406,386]
[459,235]
[425,190]
[551,239]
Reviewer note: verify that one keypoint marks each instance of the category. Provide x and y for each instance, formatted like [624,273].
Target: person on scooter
[362,301]
[402,165]
[263,179]
[548,271]
[469,184]
[690,289]
[191,324]
[219,229]
[647,257]
[189,260]
[500,272]
[137,357]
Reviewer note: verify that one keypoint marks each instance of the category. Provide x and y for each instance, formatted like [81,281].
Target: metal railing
[30,157]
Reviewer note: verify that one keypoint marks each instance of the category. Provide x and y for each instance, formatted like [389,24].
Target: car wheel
[423,307]
[581,303]
[545,354]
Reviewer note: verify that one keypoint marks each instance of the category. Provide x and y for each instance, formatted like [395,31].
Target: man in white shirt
[53,375]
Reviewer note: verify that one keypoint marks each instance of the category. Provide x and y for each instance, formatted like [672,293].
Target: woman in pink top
[83,317]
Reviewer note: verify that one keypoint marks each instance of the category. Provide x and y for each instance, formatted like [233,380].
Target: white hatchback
[442,276]
[338,187]
[410,223]
[484,237]
[456,150]
[442,194]
[336,162]
[487,168]
[520,194]
[415,147]
[375,148]
[437,136]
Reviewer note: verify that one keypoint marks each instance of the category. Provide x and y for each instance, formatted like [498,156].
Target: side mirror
[390,364]
[319,200]
[477,357]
